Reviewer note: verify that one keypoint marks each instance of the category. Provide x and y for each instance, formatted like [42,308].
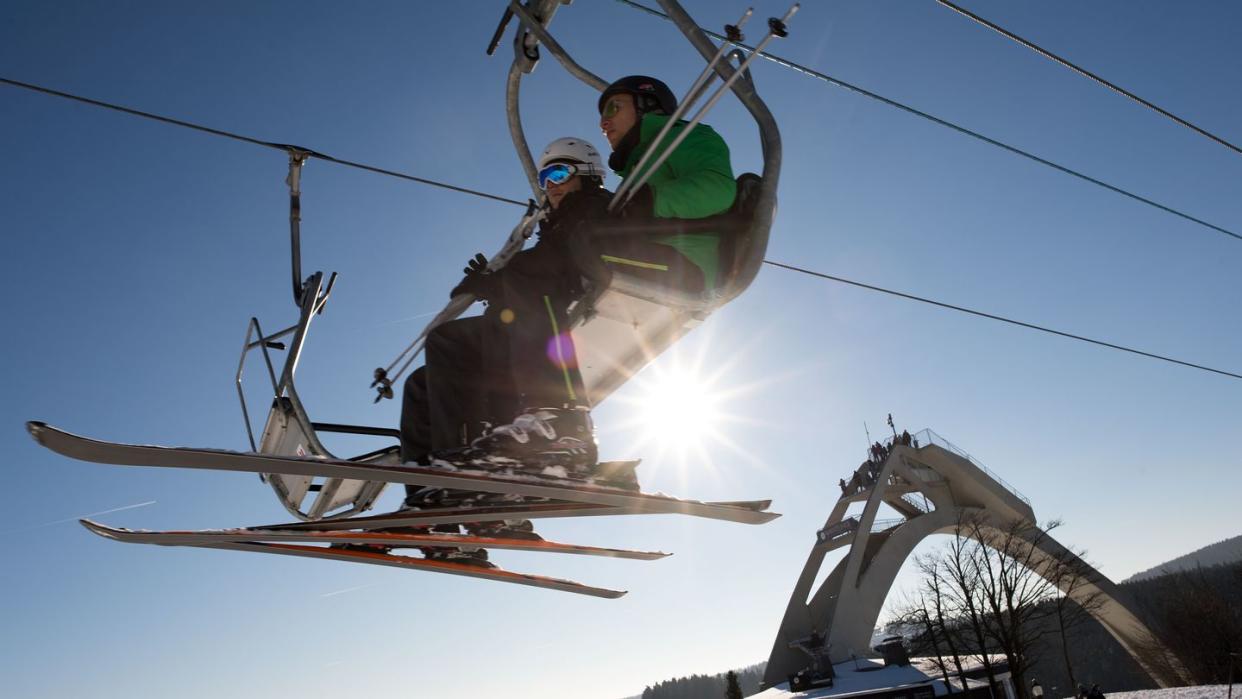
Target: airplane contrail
[93,514]
[407,319]
[348,589]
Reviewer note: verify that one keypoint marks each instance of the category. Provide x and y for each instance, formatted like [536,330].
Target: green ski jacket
[695,182]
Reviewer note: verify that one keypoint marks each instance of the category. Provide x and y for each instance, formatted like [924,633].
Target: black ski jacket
[548,267]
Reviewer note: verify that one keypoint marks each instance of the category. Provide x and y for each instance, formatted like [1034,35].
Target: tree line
[746,682]
[989,592]
[996,592]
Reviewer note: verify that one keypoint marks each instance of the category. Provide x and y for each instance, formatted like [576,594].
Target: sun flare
[679,410]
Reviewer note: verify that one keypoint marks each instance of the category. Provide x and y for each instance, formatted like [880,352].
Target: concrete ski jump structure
[933,486]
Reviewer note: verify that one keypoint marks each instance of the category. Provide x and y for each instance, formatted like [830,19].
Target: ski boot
[504,529]
[616,474]
[364,548]
[557,442]
[429,498]
[472,557]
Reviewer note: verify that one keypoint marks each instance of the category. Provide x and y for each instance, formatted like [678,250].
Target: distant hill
[1220,553]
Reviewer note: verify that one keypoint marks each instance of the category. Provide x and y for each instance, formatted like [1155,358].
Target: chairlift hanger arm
[512,94]
[297,158]
[525,57]
[558,52]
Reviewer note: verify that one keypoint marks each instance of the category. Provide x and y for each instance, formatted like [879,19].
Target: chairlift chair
[620,327]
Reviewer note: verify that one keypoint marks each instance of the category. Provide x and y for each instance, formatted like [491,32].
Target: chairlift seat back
[623,327]
[313,498]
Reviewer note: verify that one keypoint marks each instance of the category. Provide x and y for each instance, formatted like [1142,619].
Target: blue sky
[137,251]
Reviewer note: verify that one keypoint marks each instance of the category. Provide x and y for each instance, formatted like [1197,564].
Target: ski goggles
[558,173]
[612,106]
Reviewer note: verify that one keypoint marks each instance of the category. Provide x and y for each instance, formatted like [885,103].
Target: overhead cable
[1088,74]
[937,120]
[256,141]
[782,265]
[1002,319]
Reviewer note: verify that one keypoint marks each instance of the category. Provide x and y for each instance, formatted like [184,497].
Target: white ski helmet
[577,151]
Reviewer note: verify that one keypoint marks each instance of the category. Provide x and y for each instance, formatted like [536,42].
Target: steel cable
[1002,319]
[1087,74]
[256,141]
[960,129]
[369,168]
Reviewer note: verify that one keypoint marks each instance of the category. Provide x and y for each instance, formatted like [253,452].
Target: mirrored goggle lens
[557,173]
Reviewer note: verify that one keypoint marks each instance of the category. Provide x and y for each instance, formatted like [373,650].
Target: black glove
[476,264]
[641,205]
[478,280]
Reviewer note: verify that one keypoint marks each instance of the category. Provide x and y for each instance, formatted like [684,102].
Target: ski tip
[36,428]
[97,528]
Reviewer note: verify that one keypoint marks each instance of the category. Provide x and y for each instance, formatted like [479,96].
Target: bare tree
[915,614]
[1015,578]
[1199,623]
[995,588]
[1078,602]
[933,586]
[960,567]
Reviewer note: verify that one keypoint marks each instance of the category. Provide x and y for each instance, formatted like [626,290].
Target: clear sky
[135,252]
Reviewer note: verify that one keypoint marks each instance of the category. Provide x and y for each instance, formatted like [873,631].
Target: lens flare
[679,410]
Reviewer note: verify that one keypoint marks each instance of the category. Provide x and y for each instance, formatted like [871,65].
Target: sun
[679,410]
[681,413]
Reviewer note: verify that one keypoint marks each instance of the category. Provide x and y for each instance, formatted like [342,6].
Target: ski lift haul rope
[627,321]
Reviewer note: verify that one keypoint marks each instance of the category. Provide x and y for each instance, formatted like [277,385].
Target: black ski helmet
[650,95]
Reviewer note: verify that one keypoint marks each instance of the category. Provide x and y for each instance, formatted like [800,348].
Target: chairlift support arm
[297,158]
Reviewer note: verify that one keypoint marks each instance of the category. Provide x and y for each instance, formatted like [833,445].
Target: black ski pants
[645,258]
[445,402]
[517,355]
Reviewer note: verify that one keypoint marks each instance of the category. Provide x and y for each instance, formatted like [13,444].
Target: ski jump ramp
[934,487]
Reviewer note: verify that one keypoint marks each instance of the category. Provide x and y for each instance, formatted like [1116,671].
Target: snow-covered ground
[875,676]
[855,677]
[1207,691]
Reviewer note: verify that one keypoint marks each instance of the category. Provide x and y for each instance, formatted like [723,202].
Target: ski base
[411,563]
[374,538]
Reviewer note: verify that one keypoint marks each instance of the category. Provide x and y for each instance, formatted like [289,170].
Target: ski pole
[382,382]
[776,27]
[733,35]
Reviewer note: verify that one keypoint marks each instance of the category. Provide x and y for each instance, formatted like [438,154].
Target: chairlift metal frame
[619,328]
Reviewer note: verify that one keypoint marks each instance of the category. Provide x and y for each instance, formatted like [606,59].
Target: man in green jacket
[695,181]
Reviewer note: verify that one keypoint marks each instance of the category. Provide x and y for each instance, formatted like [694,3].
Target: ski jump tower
[934,486]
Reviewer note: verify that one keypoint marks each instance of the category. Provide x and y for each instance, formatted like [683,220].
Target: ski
[87,449]
[411,563]
[388,539]
[485,513]
[456,515]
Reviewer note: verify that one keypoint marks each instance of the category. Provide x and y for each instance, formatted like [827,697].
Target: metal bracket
[297,158]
